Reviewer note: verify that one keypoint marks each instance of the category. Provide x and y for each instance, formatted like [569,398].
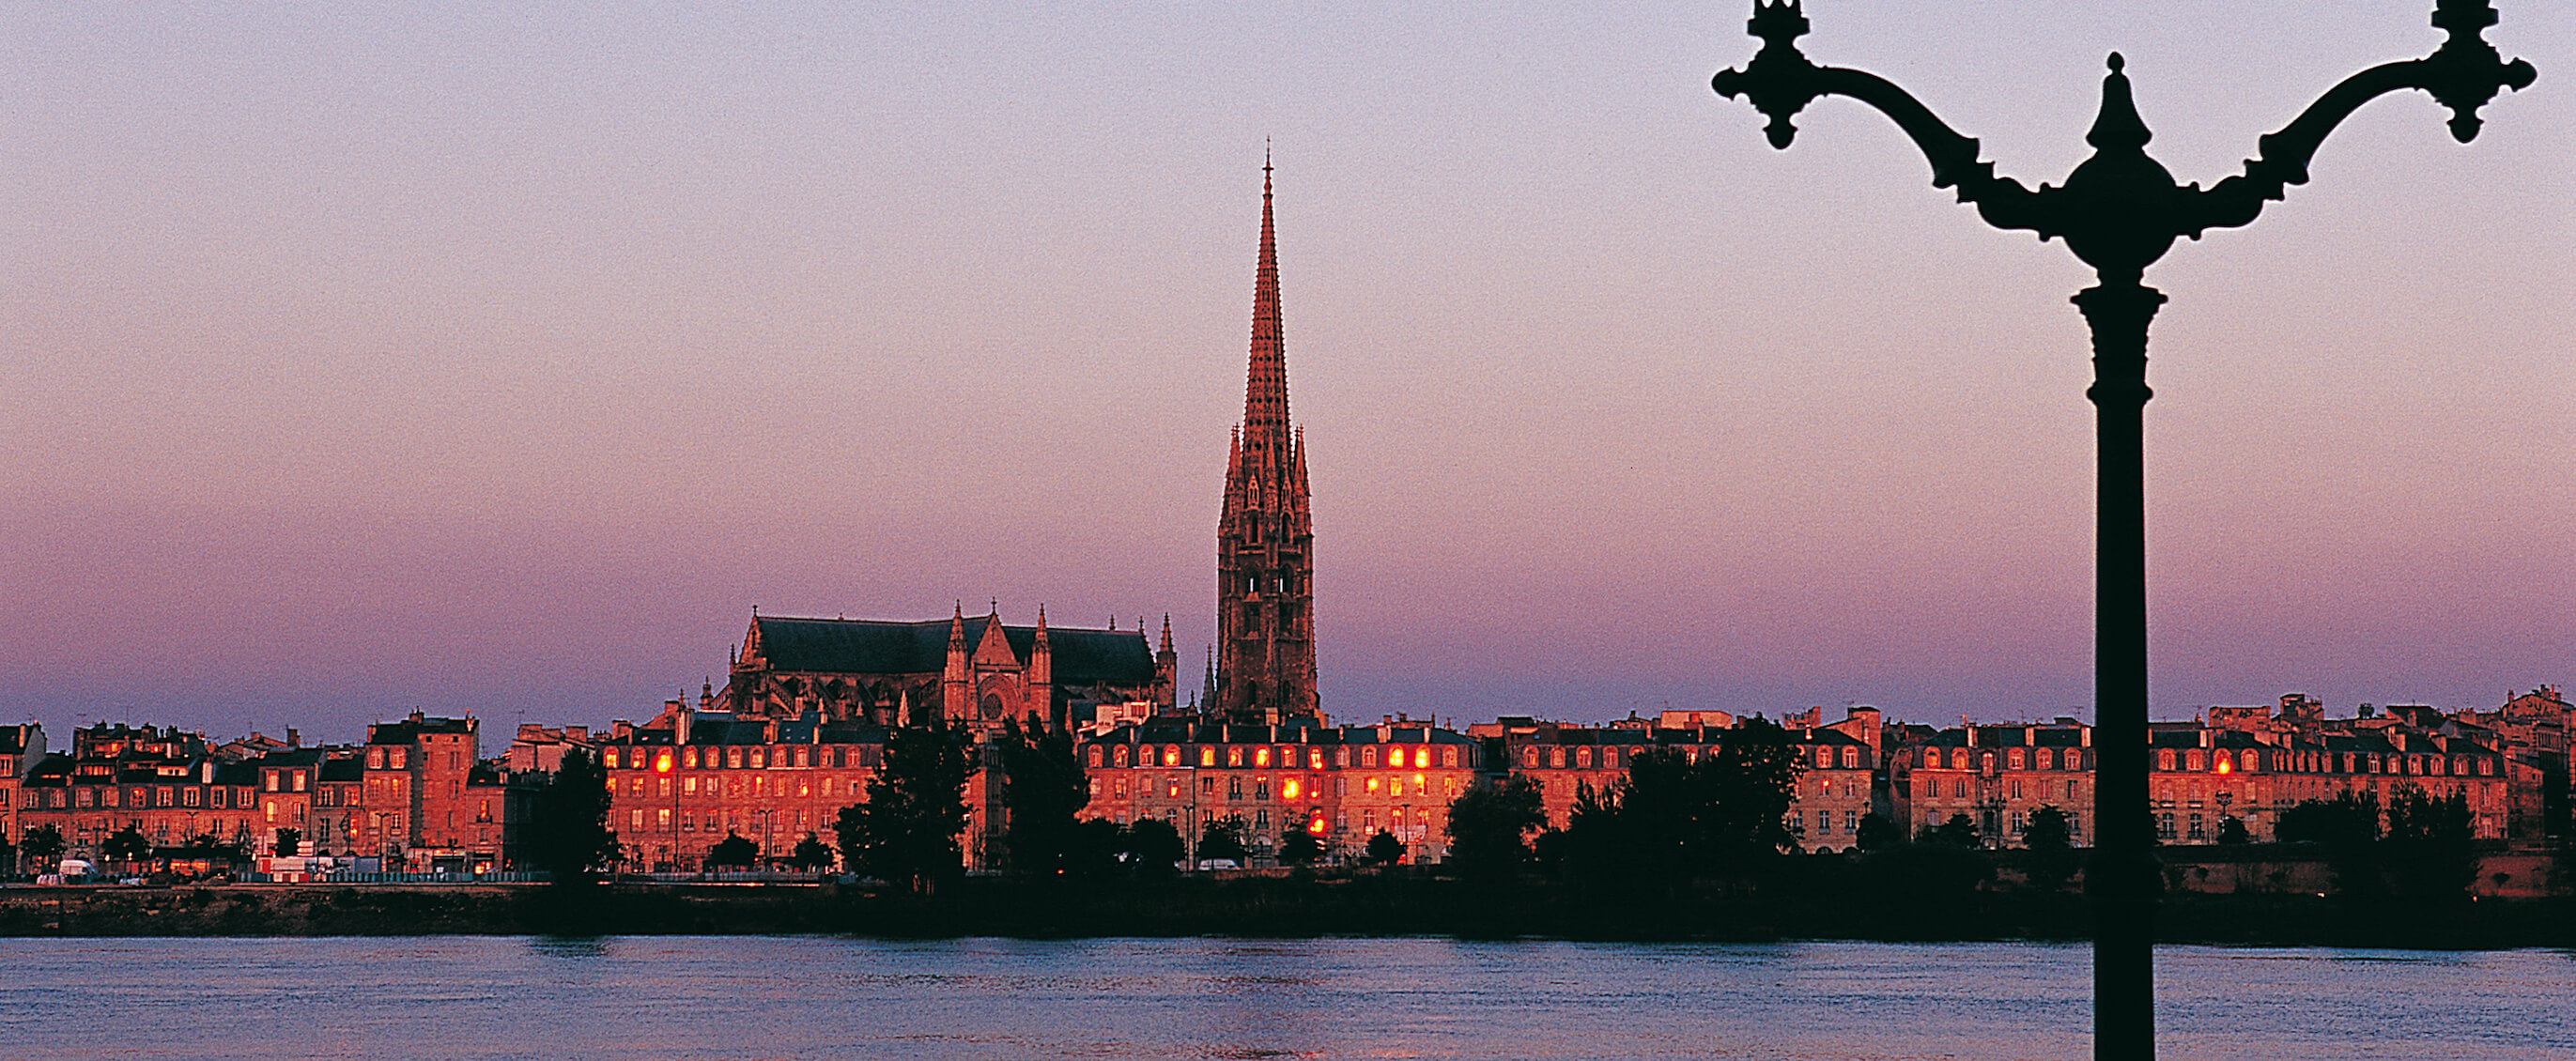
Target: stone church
[975,671]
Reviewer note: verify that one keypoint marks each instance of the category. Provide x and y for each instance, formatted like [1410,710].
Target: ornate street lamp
[2119,212]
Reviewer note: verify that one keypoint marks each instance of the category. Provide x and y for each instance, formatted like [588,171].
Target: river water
[802,997]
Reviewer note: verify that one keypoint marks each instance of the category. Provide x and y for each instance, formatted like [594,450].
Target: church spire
[1265,652]
[1265,389]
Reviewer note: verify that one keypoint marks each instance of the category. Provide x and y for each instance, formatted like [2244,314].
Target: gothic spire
[1265,391]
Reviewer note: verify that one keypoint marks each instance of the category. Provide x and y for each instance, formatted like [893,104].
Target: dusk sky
[499,360]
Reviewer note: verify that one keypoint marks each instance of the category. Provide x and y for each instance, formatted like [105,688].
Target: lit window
[1288,789]
[1261,757]
[1207,757]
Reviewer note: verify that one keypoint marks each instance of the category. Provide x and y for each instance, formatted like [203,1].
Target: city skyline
[502,362]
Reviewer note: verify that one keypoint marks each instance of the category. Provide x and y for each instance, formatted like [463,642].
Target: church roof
[877,646]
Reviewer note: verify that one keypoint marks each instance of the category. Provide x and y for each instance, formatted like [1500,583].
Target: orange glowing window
[2223,765]
[1315,825]
[1261,757]
[1372,786]
[1289,789]
[1207,757]
[662,763]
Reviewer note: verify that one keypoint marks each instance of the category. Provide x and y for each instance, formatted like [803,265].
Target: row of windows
[156,796]
[739,757]
[1393,786]
[2013,758]
[756,785]
[1258,757]
[800,821]
[1930,788]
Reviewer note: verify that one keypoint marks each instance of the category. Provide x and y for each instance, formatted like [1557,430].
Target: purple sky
[485,360]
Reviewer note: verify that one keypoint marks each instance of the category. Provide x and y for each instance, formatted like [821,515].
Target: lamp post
[2120,211]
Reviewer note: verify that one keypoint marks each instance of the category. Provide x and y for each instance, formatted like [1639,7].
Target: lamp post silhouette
[2120,211]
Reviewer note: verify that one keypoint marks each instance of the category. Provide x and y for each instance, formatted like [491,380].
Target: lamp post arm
[2464,74]
[1780,82]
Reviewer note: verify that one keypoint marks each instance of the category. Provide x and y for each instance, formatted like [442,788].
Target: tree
[1384,849]
[290,842]
[1487,825]
[1154,846]
[1044,787]
[1097,843]
[1960,831]
[811,853]
[1877,833]
[2347,826]
[733,851]
[2231,830]
[2431,847]
[1223,839]
[906,833]
[568,834]
[2051,846]
[1753,779]
[1297,847]
[126,845]
[42,844]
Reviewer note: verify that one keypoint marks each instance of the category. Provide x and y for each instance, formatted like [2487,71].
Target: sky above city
[500,360]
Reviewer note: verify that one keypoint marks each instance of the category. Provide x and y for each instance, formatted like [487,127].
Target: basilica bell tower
[1265,560]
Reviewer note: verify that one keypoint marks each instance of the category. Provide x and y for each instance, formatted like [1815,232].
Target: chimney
[293,741]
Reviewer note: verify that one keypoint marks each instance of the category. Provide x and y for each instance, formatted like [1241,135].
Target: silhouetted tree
[126,845]
[1297,847]
[906,834]
[1384,849]
[1096,844]
[1044,787]
[43,845]
[811,853]
[2231,830]
[1223,838]
[2051,846]
[290,842]
[1487,825]
[1752,779]
[1876,833]
[2431,847]
[1154,847]
[2347,828]
[1959,831]
[734,851]
[568,834]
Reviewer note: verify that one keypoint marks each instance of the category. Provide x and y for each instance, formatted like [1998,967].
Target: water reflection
[730,997]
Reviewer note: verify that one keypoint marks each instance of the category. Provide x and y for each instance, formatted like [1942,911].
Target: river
[750,997]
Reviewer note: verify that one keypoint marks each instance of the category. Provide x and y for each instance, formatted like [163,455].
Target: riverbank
[1265,907]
